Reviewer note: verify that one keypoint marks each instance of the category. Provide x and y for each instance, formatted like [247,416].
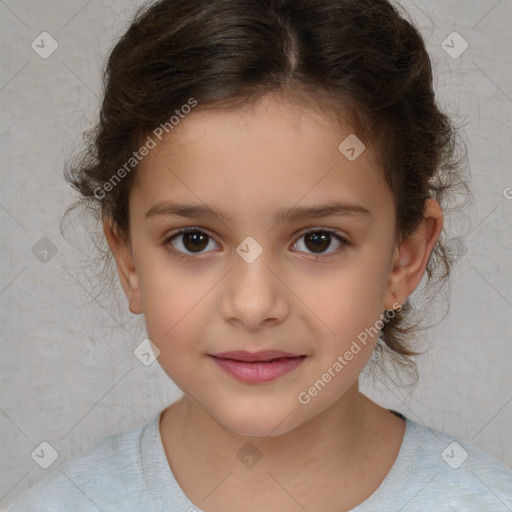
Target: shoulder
[107,476]
[453,473]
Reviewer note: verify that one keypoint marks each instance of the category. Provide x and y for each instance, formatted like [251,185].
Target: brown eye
[190,241]
[319,240]
[195,241]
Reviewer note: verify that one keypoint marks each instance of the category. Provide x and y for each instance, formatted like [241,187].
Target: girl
[270,178]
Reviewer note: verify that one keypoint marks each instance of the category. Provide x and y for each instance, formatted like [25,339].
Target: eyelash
[191,256]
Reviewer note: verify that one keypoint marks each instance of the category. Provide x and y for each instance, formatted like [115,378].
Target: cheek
[165,298]
[341,304]
[177,309]
[176,326]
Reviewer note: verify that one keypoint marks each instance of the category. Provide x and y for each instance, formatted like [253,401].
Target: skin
[333,452]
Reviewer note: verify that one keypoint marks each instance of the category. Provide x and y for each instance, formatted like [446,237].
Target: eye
[194,241]
[317,240]
[189,241]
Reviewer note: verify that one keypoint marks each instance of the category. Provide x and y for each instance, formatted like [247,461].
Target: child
[270,177]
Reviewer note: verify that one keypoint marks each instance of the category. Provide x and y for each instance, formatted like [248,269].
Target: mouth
[258,367]
[263,356]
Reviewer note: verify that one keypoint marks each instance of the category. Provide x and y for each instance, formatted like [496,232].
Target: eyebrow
[290,214]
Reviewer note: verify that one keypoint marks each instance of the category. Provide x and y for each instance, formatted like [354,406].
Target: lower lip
[258,372]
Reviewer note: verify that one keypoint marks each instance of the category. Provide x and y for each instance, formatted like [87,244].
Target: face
[289,247]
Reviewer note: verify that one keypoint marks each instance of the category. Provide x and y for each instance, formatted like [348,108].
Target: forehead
[272,153]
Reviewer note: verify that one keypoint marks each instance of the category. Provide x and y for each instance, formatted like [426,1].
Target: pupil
[317,242]
[197,241]
[320,241]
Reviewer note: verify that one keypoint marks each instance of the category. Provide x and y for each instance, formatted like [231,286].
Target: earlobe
[126,270]
[412,254]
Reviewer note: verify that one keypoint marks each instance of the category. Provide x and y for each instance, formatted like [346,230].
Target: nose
[253,296]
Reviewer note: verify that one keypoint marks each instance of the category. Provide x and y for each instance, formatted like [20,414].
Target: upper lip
[263,355]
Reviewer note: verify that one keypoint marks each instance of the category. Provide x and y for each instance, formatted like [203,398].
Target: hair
[360,60]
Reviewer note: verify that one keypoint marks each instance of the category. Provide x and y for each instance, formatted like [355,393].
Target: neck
[336,446]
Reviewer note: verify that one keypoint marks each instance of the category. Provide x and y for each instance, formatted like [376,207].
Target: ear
[412,255]
[121,249]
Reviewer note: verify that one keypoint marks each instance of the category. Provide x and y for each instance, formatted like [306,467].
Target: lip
[255,367]
[262,355]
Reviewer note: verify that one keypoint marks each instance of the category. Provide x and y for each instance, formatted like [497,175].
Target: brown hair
[362,58]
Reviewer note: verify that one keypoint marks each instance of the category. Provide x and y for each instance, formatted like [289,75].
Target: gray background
[68,373]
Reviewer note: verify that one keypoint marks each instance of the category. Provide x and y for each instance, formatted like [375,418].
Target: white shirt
[129,472]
